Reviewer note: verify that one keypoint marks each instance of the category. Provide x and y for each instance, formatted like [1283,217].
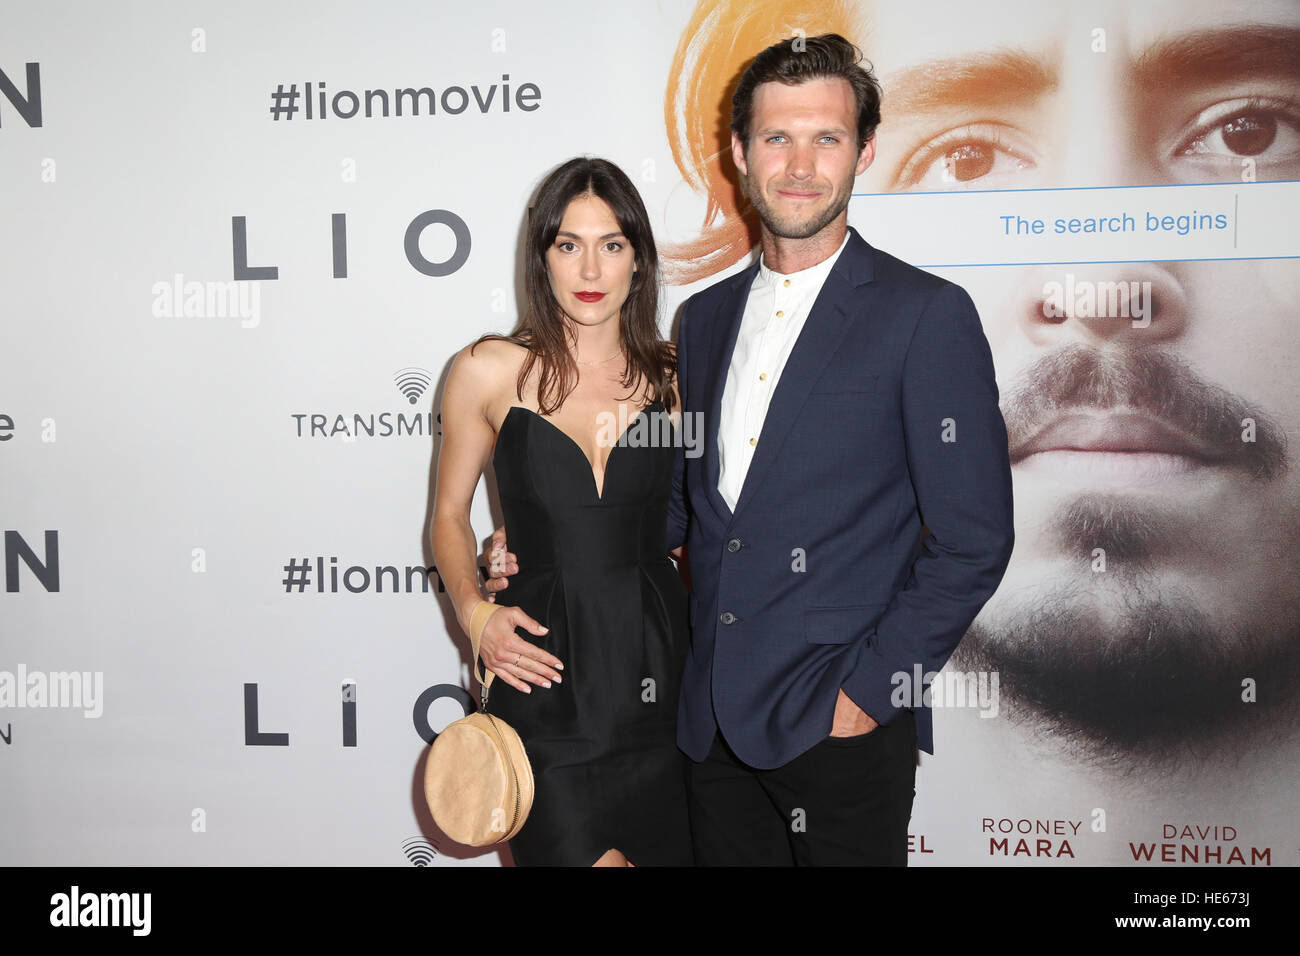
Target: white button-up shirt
[775,313]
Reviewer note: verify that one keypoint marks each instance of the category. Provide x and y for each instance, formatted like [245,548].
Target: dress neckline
[591,469]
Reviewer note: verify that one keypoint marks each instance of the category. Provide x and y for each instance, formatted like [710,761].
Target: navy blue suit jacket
[885,417]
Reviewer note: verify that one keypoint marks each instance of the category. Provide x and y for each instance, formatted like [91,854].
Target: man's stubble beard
[785,229]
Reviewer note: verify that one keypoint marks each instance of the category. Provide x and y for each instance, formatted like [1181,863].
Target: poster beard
[1141,673]
[1134,661]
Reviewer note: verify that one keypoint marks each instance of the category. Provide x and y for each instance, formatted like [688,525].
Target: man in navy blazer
[852,510]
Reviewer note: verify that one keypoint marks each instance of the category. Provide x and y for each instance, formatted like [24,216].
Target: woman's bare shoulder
[496,351]
[489,359]
[485,373]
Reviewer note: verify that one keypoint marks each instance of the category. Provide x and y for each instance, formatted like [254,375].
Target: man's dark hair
[800,59]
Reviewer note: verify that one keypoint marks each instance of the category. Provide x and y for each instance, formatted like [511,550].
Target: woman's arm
[467,441]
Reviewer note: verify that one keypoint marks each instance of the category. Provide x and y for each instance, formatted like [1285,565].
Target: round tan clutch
[478,781]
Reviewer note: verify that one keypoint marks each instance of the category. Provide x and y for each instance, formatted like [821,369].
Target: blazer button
[726,617]
[733,545]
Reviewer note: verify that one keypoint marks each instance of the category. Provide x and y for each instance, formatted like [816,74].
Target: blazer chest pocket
[839,625]
[856,382]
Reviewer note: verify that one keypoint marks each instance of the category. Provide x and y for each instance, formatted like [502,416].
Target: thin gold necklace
[602,361]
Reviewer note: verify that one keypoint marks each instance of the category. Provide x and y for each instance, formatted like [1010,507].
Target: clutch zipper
[505,755]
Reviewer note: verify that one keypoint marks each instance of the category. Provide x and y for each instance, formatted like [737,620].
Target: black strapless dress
[595,570]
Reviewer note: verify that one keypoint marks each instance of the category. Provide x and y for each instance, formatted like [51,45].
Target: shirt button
[733,545]
[762,376]
[753,441]
[726,617]
[786,283]
[780,315]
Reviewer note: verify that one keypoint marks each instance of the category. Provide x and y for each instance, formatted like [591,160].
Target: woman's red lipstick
[590,296]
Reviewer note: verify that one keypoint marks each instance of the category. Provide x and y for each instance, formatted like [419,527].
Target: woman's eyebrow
[574,235]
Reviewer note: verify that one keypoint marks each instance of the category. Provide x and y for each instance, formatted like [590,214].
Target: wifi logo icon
[419,851]
[412,382]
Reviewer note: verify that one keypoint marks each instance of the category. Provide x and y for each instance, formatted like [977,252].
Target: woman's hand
[499,562]
[513,659]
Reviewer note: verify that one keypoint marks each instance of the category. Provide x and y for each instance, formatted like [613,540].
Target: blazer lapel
[721,344]
[832,314]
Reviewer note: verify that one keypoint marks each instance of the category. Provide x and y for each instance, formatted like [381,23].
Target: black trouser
[845,802]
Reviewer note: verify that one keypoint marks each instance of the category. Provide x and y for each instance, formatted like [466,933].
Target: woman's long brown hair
[542,328]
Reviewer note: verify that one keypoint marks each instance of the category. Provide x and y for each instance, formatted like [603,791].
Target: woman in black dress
[577,409]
